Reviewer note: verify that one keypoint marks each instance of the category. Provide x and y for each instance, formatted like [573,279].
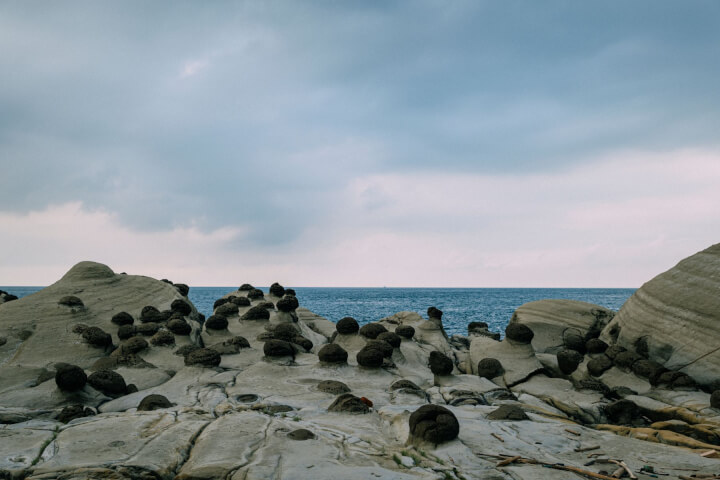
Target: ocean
[459,305]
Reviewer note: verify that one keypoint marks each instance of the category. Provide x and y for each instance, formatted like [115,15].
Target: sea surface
[459,305]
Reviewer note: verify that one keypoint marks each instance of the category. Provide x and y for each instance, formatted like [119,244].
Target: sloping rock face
[673,319]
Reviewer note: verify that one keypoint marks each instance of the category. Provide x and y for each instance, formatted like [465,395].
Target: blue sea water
[460,305]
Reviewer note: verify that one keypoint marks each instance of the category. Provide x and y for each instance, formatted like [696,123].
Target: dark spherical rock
[674,380]
[434,424]
[347,326]
[288,304]
[267,305]
[390,337]
[626,359]
[108,382]
[125,332]
[205,357]
[405,331]
[216,322]
[621,412]
[290,291]
[133,345]
[70,378]
[278,348]
[255,294]
[574,341]
[369,357]
[332,353]
[97,337]
[301,434]
[508,412]
[153,402]
[178,326]
[305,343]
[490,368]
[440,364]
[568,360]
[476,326]
[163,337]
[348,403]
[245,287]
[80,328]
[519,332]
[122,318]
[220,301]
[715,399]
[181,306]
[598,365]
[182,289]
[371,330]
[285,331]
[231,345]
[228,309]
[612,351]
[186,350]
[333,387]
[256,313]
[277,290]
[147,329]
[647,368]
[434,313]
[166,315]
[150,314]
[71,412]
[241,301]
[595,345]
[71,301]
[385,348]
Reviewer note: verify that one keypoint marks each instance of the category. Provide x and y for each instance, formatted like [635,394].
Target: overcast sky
[418,143]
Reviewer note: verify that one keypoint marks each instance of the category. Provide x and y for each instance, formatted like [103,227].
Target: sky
[381,143]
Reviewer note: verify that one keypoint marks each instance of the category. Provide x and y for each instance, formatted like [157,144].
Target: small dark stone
[348,403]
[613,350]
[134,345]
[163,337]
[301,434]
[206,357]
[369,357]
[247,398]
[647,368]
[574,341]
[508,412]
[241,301]
[183,289]
[288,304]
[122,318]
[390,337]
[256,313]
[178,326]
[290,291]
[332,353]
[440,364]
[97,337]
[434,424]
[70,378]
[434,313]
[181,306]
[150,314]
[598,365]
[472,326]
[490,368]
[278,348]
[404,384]
[347,326]
[385,348]
[305,343]
[333,387]
[715,399]
[108,382]
[641,347]
[228,309]
[71,301]
[245,287]
[71,412]
[125,332]
[186,350]
[132,388]
[153,402]
[231,345]
[595,345]
[166,315]
[255,294]
[621,412]
[673,379]
[568,360]
[147,329]
[277,290]
[220,301]
[216,322]
[626,359]
[285,331]
[405,331]
[267,305]
[80,328]
[519,332]
[371,330]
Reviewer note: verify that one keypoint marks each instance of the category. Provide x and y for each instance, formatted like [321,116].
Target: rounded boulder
[347,326]
[434,424]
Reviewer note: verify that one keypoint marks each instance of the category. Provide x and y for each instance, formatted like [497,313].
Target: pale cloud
[193,67]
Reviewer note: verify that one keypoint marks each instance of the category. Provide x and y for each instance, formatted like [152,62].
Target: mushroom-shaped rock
[163,337]
[241,301]
[186,350]
[434,313]
[290,291]
[405,331]
[70,378]
[147,329]
[333,386]
[183,289]
[278,348]
[205,357]
[220,301]
[285,331]
[508,412]
[277,290]
[332,353]
[122,318]
[598,365]
[255,294]
[348,403]
[385,348]
[178,326]
[568,360]
[490,368]
[440,364]
[97,337]
[390,337]
[519,333]
[125,332]
[108,382]
[245,287]
[228,309]
[71,412]
[153,402]
[181,306]
[477,327]
[433,424]
[301,434]
[595,345]
[256,313]
[369,357]
[150,314]
[71,301]
[372,330]
[216,322]
[347,326]
[134,345]
[288,304]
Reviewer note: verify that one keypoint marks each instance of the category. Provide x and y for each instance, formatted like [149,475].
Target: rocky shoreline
[114,376]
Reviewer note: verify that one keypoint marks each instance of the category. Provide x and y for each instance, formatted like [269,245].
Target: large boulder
[347,326]
[70,378]
[440,364]
[685,296]
[434,424]
[332,353]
